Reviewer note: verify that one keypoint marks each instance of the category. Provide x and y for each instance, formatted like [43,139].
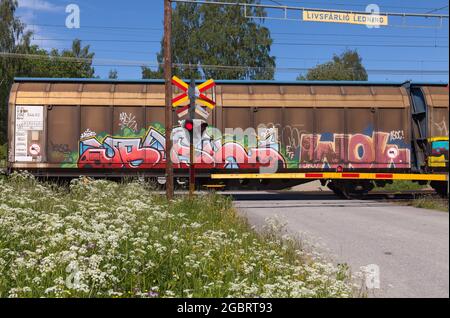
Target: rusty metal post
[191,169]
[168,95]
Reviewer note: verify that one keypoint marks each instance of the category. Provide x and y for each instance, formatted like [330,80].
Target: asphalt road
[409,245]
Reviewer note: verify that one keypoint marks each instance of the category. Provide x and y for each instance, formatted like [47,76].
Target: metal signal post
[168,95]
[194,96]
[192,99]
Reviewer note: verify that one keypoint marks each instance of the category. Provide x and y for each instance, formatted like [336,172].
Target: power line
[128,63]
[437,9]
[362,45]
[294,8]
[107,27]
[123,28]
[356,5]
[99,40]
[288,33]
[274,43]
[290,58]
[276,2]
[364,59]
[430,37]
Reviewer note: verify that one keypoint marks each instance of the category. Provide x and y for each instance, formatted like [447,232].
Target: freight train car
[350,135]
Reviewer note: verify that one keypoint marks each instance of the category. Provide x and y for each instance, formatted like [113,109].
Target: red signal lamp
[189,125]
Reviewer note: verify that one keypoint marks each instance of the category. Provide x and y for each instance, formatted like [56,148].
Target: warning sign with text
[345,17]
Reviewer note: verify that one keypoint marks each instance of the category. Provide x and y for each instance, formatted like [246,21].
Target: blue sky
[126,34]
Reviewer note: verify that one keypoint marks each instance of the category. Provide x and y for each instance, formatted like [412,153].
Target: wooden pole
[168,95]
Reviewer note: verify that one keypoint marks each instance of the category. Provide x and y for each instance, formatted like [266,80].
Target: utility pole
[168,93]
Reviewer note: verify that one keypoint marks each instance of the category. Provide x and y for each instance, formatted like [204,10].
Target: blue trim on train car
[252,82]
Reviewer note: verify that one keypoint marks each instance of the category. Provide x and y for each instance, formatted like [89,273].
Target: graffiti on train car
[440,148]
[149,152]
[439,153]
[357,150]
[146,150]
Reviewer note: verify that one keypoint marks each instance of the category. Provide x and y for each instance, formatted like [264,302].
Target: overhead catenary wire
[386,60]
[297,8]
[125,63]
[372,44]
[437,9]
[356,5]
[323,34]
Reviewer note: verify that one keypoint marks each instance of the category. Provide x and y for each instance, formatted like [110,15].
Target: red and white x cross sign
[201,98]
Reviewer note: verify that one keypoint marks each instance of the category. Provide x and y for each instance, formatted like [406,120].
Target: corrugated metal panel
[96,119]
[312,96]
[437,99]
[63,130]
[227,95]
[437,96]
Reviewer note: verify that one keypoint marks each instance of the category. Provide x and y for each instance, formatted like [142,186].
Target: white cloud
[29,13]
[39,5]
[27,16]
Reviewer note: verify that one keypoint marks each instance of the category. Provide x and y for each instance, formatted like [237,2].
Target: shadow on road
[314,196]
[282,196]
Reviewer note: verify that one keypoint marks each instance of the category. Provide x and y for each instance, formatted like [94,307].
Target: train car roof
[225,82]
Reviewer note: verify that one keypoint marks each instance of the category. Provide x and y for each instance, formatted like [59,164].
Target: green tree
[345,67]
[19,58]
[14,40]
[73,63]
[113,74]
[208,39]
[148,73]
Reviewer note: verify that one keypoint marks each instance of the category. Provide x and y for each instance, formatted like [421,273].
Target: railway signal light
[192,128]
[195,97]
[203,127]
[188,125]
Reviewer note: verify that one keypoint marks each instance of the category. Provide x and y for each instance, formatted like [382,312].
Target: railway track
[402,195]
[384,195]
[391,196]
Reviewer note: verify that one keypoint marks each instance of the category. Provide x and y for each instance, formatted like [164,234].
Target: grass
[105,239]
[3,153]
[402,185]
[432,202]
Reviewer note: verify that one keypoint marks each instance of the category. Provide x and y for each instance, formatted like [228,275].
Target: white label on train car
[392,153]
[35,149]
[29,119]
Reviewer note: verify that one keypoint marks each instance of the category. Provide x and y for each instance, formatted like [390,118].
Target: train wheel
[441,187]
[337,189]
[350,189]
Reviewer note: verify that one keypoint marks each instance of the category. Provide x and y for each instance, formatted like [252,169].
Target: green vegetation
[3,154]
[19,58]
[105,239]
[432,202]
[218,35]
[346,67]
[73,63]
[402,185]
[113,74]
